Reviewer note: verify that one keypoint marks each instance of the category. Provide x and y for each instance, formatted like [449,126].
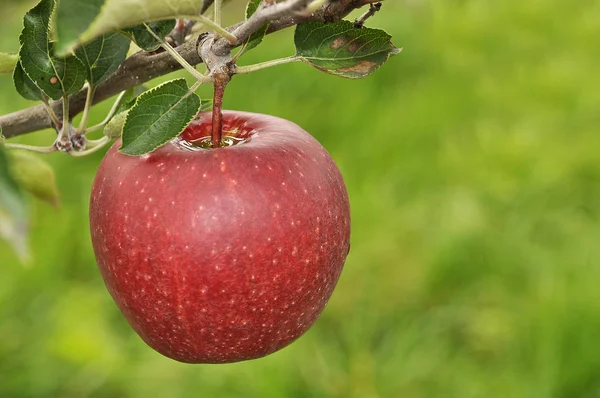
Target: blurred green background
[473,165]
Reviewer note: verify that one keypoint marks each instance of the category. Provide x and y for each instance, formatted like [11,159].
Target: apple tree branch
[143,67]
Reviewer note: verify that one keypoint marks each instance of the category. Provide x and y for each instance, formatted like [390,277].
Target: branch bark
[143,67]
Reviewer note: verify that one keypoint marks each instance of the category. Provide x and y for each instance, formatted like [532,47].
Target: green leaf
[8,62]
[25,86]
[102,56]
[343,50]
[119,14]
[257,37]
[34,175]
[54,76]
[144,39]
[73,17]
[13,215]
[158,116]
[114,128]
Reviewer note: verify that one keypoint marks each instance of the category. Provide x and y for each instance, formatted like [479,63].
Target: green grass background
[473,166]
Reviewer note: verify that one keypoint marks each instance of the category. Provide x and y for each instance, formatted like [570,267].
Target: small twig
[218,29]
[31,148]
[373,9]
[63,141]
[55,120]
[186,65]
[241,70]
[218,6]
[110,115]
[267,14]
[179,33]
[86,110]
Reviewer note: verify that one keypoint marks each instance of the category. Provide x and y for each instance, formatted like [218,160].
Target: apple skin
[222,255]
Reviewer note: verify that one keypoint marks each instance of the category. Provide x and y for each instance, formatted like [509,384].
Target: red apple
[222,255]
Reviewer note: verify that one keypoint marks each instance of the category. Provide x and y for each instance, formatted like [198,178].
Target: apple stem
[220,81]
